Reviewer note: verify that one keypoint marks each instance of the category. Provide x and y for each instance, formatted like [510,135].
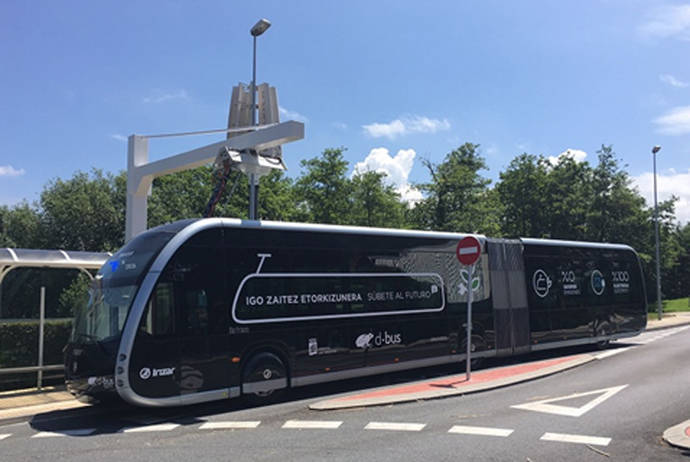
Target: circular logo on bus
[541,283]
[145,373]
[598,282]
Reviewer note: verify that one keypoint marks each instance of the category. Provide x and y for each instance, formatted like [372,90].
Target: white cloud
[668,21]
[397,170]
[339,125]
[287,114]
[8,170]
[671,183]
[405,126]
[575,154]
[161,97]
[118,137]
[674,122]
[671,80]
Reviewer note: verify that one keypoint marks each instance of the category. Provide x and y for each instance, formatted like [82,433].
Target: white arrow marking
[5,435]
[545,406]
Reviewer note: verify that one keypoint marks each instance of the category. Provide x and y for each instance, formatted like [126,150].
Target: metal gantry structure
[252,149]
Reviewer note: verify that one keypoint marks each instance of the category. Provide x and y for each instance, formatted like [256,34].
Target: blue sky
[393,81]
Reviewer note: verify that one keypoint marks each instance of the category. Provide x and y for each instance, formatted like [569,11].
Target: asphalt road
[615,408]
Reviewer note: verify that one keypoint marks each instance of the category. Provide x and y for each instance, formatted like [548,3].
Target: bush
[19,342]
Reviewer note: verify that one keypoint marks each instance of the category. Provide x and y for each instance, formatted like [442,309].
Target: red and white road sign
[468,250]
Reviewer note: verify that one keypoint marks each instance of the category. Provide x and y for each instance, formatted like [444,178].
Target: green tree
[323,192]
[617,210]
[678,284]
[568,196]
[375,203]
[20,226]
[277,199]
[457,198]
[85,212]
[521,191]
[179,195]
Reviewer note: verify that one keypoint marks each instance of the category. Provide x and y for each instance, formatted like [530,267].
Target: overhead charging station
[254,150]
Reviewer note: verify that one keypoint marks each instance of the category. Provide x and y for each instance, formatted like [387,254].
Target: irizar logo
[145,373]
[370,340]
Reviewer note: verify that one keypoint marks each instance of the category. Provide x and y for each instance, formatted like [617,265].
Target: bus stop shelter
[35,258]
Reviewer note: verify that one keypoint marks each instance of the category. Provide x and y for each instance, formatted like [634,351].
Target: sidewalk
[669,320]
[23,405]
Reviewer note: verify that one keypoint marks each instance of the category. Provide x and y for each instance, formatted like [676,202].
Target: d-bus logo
[541,283]
[369,340]
[598,282]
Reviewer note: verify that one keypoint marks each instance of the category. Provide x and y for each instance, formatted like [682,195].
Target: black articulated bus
[206,309]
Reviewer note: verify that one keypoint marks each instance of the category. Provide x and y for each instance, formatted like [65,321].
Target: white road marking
[579,439]
[326,424]
[5,435]
[652,336]
[151,428]
[609,353]
[485,431]
[396,426]
[545,406]
[75,432]
[227,425]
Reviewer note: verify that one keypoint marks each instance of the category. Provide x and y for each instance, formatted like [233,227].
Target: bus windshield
[103,313]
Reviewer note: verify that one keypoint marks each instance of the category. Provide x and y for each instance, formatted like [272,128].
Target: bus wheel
[477,345]
[602,330]
[264,379]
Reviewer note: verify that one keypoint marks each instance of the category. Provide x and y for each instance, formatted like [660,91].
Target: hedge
[19,342]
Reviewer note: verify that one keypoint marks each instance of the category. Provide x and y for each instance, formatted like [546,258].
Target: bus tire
[602,329]
[264,378]
[478,345]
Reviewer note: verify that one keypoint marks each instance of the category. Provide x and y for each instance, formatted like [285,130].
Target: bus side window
[160,316]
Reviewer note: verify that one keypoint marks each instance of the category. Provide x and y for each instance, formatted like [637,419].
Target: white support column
[138,186]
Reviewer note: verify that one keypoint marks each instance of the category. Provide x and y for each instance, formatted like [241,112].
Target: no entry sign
[468,250]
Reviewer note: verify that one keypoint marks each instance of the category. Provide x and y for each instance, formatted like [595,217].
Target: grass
[670,306]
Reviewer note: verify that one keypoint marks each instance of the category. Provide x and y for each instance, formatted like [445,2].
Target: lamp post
[258,29]
[655,150]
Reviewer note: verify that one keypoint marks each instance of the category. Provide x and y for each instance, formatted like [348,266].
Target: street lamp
[258,29]
[655,150]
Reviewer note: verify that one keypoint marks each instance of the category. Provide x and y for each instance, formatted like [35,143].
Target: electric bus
[208,309]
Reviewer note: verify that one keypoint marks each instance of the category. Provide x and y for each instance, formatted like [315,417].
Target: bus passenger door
[197,273]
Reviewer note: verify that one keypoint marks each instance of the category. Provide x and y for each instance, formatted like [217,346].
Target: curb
[679,435]
[684,323]
[349,401]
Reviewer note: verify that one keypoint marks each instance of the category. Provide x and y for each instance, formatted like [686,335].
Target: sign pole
[468,373]
[468,251]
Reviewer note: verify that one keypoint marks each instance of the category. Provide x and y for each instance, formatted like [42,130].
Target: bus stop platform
[23,405]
